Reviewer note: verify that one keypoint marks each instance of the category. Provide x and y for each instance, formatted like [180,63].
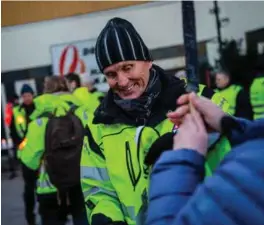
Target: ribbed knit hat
[119,41]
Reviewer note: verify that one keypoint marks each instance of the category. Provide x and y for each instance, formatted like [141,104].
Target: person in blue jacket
[179,193]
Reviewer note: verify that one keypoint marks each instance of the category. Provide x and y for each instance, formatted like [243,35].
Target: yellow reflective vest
[257,97]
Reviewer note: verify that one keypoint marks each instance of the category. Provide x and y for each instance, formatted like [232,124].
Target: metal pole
[218,26]
[4,102]
[190,45]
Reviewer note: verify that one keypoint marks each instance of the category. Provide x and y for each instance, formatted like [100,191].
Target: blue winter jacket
[179,194]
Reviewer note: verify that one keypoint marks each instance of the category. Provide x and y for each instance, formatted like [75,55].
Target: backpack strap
[73,107]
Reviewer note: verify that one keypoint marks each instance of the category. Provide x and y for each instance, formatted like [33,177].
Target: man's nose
[122,80]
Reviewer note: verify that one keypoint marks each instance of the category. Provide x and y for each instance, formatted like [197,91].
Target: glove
[162,144]
[228,124]
[100,219]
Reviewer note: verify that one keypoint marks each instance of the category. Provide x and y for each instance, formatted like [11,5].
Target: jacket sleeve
[32,147]
[239,130]
[243,105]
[175,185]
[173,181]
[101,200]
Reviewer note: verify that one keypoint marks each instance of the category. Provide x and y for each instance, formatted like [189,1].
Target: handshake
[196,117]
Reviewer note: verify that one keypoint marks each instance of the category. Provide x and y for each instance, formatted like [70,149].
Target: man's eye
[110,75]
[127,68]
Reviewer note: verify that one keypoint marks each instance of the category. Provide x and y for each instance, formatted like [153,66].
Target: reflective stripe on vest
[44,186]
[94,173]
[96,190]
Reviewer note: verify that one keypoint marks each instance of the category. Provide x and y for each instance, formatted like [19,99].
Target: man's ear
[148,64]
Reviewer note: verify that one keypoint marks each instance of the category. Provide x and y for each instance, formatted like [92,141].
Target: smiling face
[128,79]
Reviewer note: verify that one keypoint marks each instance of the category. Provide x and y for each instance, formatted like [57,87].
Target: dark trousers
[55,207]
[50,210]
[77,206]
[30,179]
[12,160]
[72,201]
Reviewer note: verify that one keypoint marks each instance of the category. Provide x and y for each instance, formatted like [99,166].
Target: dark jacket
[13,133]
[243,105]
[233,195]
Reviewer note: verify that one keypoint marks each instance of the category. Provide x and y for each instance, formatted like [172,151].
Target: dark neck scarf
[140,108]
[29,108]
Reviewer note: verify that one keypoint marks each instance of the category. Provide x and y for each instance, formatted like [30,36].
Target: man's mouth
[128,89]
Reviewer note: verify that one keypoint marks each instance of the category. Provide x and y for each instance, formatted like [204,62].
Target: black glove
[228,124]
[162,144]
[100,219]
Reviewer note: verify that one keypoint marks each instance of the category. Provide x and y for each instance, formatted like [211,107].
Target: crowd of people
[146,152]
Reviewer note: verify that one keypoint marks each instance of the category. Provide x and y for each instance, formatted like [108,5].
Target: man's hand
[192,133]
[210,112]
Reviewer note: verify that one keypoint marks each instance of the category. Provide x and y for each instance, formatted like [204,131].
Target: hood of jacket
[82,93]
[47,103]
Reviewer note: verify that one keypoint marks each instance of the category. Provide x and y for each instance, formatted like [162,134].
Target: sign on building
[77,57]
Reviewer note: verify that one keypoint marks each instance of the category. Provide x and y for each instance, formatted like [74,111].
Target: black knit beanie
[119,41]
[26,89]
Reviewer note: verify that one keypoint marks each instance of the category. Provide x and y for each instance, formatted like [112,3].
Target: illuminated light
[20,120]
[22,144]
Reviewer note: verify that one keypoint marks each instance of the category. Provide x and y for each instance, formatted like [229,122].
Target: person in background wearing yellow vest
[54,204]
[21,119]
[82,87]
[206,92]
[21,112]
[257,96]
[216,140]
[237,97]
